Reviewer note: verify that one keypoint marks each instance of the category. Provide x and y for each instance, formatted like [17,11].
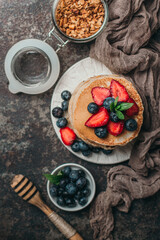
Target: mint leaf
[55,178]
[112,106]
[115,102]
[124,106]
[118,107]
[120,115]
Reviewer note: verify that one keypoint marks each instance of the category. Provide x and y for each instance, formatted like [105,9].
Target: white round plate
[79,72]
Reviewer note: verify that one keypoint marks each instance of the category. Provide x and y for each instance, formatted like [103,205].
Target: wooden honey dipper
[26,189]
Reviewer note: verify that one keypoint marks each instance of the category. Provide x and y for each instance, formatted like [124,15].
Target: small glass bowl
[92,187]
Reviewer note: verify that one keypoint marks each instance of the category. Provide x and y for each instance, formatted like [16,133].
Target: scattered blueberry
[83,146]
[107,152]
[82,201]
[86,192]
[75,146]
[61,122]
[71,188]
[53,190]
[81,173]
[101,132]
[61,201]
[57,112]
[73,175]
[70,202]
[81,182]
[86,153]
[130,125]
[92,107]
[113,117]
[107,102]
[66,95]
[65,105]
[63,182]
[95,149]
[66,171]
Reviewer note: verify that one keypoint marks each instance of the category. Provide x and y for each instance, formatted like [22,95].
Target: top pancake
[78,113]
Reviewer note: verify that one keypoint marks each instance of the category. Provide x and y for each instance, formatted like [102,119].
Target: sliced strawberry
[98,119]
[115,128]
[118,90]
[133,110]
[67,135]
[99,94]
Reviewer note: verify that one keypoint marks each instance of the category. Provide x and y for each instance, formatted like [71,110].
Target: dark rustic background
[29,145]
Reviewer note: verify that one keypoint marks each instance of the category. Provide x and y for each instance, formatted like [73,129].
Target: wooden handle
[66,229]
[76,237]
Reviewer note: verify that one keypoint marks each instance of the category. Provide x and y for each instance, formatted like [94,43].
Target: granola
[79,18]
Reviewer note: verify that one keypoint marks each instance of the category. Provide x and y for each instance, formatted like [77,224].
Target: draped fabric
[130,46]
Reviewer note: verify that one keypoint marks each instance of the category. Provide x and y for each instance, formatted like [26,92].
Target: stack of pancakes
[78,113]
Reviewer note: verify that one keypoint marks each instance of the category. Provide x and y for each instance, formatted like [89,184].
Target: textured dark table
[29,145]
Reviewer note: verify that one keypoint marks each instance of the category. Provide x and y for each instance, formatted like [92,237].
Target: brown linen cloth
[127,46]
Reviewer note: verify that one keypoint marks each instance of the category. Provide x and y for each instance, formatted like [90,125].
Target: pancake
[78,113]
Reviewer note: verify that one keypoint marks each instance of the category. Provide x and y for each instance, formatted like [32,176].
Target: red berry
[68,136]
[115,128]
[98,119]
[118,90]
[99,94]
[133,110]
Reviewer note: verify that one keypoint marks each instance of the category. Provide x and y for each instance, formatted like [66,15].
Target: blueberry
[71,188]
[113,117]
[101,132]
[87,182]
[81,173]
[65,194]
[86,192]
[70,202]
[65,105]
[61,122]
[57,112]
[130,125]
[95,149]
[60,191]
[107,102]
[83,146]
[92,107]
[86,153]
[73,175]
[66,95]
[61,201]
[107,152]
[82,201]
[63,182]
[66,171]
[53,190]
[78,195]
[75,146]
[81,182]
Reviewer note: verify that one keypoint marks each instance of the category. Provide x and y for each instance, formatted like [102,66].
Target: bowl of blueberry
[71,187]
